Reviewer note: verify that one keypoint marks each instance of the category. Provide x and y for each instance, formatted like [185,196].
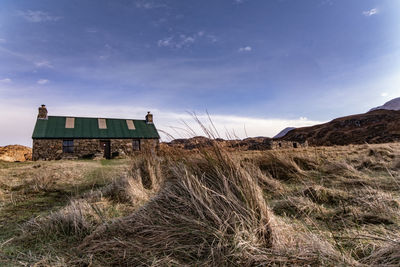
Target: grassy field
[314,206]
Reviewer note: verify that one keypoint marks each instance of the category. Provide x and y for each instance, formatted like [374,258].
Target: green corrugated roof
[54,127]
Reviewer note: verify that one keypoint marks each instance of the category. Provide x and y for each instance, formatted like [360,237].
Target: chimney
[42,113]
[149,118]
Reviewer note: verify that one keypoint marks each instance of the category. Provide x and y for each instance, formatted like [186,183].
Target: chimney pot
[42,113]
[149,118]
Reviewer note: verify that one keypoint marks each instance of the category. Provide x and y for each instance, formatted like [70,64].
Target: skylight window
[130,125]
[102,124]
[70,123]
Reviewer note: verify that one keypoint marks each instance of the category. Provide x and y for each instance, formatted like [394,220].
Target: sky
[255,66]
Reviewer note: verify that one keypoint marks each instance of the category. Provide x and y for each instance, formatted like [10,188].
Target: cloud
[6,80]
[37,16]
[326,2]
[245,49]
[177,42]
[44,64]
[2,41]
[166,42]
[185,40]
[43,81]
[148,5]
[371,12]
[91,30]
[384,94]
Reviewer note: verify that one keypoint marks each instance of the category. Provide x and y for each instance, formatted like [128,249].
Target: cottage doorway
[105,144]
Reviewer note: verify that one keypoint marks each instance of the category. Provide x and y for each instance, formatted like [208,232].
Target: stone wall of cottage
[287,144]
[52,149]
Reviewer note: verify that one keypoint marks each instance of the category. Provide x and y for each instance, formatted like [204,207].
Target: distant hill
[377,126]
[393,104]
[15,153]
[284,132]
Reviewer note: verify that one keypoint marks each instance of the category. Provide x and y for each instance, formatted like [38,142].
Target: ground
[324,205]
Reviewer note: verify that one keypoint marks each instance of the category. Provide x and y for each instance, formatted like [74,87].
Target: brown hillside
[379,126]
[13,153]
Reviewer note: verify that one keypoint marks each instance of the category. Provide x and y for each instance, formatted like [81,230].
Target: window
[68,146]
[130,124]
[102,123]
[136,145]
[70,123]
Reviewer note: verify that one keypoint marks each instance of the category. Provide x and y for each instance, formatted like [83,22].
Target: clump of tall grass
[75,220]
[280,166]
[298,207]
[296,245]
[376,206]
[387,255]
[42,181]
[322,195]
[209,212]
[341,168]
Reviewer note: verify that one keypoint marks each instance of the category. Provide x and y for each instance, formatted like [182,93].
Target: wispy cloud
[245,49]
[91,30]
[2,41]
[44,64]
[37,16]
[370,12]
[42,81]
[149,5]
[6,80]
[384,94]
[326,2]
[185,40]
[177,42]
[166,42]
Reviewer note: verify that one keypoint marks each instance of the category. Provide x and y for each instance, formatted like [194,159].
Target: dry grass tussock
[387,255]
[208,213]
[77,219]
[133,188]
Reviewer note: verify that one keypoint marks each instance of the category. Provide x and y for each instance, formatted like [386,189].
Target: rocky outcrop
[15,153]
[378,126]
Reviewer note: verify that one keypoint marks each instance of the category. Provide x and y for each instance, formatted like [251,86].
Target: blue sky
[257,65]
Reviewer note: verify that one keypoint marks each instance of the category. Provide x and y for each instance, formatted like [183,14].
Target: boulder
[15,153]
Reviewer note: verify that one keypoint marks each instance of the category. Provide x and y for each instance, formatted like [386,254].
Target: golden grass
[309,206]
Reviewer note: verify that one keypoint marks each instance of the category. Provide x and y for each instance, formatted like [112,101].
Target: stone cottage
[59,137]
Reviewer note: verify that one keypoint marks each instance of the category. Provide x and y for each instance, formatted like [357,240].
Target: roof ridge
[96,118]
